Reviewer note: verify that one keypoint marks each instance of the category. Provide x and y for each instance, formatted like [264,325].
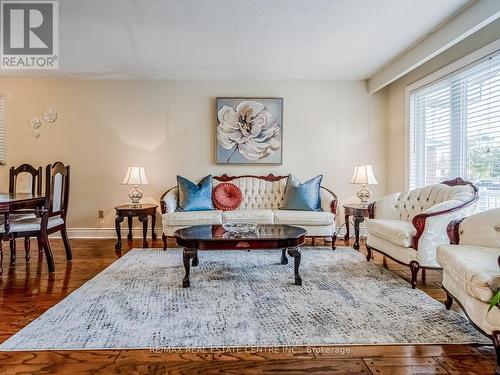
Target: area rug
[240,298]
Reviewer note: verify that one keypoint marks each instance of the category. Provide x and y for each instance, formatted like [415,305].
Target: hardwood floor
[26,292]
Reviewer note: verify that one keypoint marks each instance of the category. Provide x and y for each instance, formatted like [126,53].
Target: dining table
[12,202]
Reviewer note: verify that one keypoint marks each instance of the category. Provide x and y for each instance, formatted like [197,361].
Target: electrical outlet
[100,214]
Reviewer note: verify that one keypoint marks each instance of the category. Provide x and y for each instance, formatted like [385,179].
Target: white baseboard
[136,232]
[105,233]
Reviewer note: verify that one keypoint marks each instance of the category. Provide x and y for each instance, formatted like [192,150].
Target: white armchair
[471,273]
[407,227]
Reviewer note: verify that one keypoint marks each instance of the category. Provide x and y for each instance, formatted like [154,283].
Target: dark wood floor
[26,292]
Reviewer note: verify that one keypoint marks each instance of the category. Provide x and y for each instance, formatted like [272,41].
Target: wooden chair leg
[12,244]
[39,243]
[48,252]
[423,275]
[414,267]
[67,246]
[27,248]
[334,239]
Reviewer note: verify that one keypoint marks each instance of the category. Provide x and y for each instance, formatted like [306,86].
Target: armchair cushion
[475,268]
[398,232]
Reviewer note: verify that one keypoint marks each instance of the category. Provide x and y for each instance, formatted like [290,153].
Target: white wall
[396,102]
[169,128]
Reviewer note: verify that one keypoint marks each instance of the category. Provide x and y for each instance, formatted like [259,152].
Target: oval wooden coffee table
[265,237]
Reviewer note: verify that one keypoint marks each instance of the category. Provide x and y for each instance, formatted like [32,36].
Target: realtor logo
[29,34]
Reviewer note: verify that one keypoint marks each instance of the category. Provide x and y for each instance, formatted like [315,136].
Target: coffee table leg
[284,259]
[187,255]
[295,253]
[195,261]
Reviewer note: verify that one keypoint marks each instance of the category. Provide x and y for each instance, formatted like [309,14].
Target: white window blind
[2,129]
[455,130]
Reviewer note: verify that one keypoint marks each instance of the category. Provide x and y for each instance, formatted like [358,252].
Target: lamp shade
[135,176]
[363,174]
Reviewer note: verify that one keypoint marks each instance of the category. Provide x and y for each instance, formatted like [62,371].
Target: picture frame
[249,130]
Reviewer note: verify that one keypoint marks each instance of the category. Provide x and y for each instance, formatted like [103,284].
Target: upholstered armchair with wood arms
[471,273]
[407,227]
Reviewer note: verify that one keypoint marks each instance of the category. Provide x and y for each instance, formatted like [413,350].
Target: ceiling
[238,39]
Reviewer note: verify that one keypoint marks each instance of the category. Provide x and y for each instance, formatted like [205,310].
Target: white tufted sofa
[262,198]
[407,227]
[471,273]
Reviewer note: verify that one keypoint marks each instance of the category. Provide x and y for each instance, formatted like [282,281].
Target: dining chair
[53,214]
[24,179]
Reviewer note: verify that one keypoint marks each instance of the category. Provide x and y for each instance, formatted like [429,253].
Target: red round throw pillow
[227,196]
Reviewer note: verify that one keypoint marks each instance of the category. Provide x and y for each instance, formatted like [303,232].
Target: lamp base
[135,195]
[364,194]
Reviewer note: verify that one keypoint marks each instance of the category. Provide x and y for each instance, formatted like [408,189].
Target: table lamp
[135,176]
[363,174]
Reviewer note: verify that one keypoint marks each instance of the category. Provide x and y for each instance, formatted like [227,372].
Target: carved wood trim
[453,231]
[333,206]
[419,221]
[270,177]
[371,210]
[458,181]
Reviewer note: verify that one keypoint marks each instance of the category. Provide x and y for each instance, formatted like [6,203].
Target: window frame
[457,65]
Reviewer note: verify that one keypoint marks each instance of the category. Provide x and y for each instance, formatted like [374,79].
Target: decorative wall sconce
[50,115]
[36,123]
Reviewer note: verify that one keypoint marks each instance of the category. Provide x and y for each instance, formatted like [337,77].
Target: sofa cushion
[227,196]
[293,217]
[476,268]
[398,232]
[248,216]
[195,197]
[302,196]
[192,218]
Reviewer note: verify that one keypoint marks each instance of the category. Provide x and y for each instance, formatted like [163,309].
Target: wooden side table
[141,211]
[358,212]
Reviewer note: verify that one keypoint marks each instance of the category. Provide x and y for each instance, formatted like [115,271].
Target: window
[2,129]
[455,130]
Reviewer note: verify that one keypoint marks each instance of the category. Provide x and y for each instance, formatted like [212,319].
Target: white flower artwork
[249,131]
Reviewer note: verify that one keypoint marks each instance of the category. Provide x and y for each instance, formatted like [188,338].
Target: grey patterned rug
[240,298]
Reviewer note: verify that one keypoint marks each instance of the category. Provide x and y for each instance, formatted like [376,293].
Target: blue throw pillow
[193,197]
[302,196]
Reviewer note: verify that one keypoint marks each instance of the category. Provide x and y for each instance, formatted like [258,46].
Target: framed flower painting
[249,130]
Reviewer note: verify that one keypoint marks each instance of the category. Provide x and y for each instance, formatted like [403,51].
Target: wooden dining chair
[32,184]
[53,215]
